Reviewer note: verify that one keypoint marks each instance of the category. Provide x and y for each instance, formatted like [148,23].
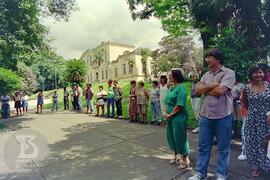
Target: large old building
[117,61]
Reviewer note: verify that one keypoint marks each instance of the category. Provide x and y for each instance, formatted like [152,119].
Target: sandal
[174,161]
[184,165]
[255,173]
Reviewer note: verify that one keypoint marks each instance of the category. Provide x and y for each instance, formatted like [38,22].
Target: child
[39,102]
[55,101]
[25,102]
[155,103]
[132,106]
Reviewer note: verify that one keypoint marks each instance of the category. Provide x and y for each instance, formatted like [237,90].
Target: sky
[101,20]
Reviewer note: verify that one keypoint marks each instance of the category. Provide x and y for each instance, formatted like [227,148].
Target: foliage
[9,81]
[60,9]
[238,57]
[21,33]
[49,69]
[176,52]
[28,78]
[98,56]
[209,16]
[75,71]
[174,14]
[145,53]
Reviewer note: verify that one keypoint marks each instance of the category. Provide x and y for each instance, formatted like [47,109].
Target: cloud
[101,20]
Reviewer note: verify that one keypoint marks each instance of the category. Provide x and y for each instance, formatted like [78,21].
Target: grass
[192,123]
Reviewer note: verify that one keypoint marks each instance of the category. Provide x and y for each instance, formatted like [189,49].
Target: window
[130,69]
[106,74]
[124,69]
[102,74]
[115,72]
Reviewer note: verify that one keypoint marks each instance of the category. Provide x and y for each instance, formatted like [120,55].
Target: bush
[9,81]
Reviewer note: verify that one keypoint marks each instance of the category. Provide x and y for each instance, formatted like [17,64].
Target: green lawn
[125,87]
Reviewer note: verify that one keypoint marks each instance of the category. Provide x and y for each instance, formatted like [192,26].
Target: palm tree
[144,58]
[131,63]
[98,56]
[75,71]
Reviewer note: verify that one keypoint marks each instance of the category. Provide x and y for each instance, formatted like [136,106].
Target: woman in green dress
[176,116]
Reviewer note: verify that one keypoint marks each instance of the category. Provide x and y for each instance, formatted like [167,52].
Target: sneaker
[195,130]
[197,177]
[242,157]
[221,177]
[119,117]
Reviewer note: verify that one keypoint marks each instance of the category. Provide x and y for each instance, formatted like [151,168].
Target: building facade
[116,61]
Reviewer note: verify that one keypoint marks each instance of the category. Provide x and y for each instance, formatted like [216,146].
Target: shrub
[9,81]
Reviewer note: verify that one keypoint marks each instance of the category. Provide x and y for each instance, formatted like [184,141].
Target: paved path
[85,147]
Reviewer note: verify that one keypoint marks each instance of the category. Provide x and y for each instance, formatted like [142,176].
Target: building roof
[119,44]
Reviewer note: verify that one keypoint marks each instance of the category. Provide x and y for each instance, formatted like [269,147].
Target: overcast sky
[101,20]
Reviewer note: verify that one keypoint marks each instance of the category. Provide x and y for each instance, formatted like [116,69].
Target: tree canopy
[75,71]
[211,16]
[21,32]
[176,52]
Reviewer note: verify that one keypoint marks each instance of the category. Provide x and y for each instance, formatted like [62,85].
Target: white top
[25,98]
[163,91]
[80,91]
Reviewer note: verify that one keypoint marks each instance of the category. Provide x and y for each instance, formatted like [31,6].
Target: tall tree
[49,69]
[98,56]
[145,53]
[210,17]
[131,63]
[21,33]
[176,52]
[75,71]
[28,78]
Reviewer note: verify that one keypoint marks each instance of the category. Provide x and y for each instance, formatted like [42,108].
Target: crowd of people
[20,104]
[218,98]
[224,101]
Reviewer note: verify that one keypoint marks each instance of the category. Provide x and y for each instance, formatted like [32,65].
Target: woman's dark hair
[155,82]
[133,82]
[141,83]
[100,87]
[254,69]
[177,75]
[110,81]
[165,78]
